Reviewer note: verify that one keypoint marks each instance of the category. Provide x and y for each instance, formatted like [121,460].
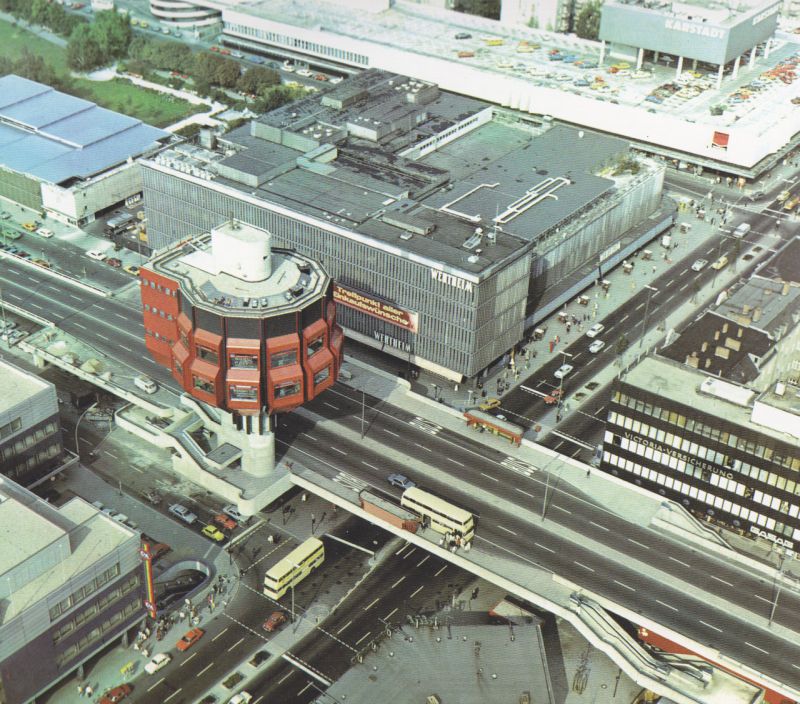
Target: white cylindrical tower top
[242,250]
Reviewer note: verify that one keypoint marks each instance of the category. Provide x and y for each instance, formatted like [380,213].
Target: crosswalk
[518,466]
[350,482]
[425,425]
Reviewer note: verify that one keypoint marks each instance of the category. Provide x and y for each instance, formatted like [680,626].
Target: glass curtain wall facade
[723,471]
[461,329]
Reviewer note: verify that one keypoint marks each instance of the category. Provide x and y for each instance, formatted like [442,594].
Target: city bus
[440,515]
[293,568]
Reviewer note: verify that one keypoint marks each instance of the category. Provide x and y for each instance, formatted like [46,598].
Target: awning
[721,140]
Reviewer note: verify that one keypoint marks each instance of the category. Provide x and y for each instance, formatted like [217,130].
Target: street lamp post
[77,425]
[650,290]
[5,324]
[777,590]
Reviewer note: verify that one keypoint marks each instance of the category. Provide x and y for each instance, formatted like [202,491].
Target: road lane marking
[78,325]
[397,582]
[423,447]
[207,667]
[522,491]
[418,590]
[720,580]
[385,430]
[219,634]
[177,691]
[310,437]
[755,647]
[608,530]
[156,684]
[586,567]
[238,642]
[371,466]
[719,630]
[444,567]
[363,637]
[762,598]
[187,659]
[390,614]
[544,547]
[675,559]
[341,452]
[330,405]
[561,508]
[450,459]
[669,606]
[624,585]
[304,689]
[341,630]
[367,608]
[286,676]
[507,530]
[423,560]
[489,476]
[636,542]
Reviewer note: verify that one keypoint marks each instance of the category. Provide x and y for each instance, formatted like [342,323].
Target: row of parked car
[220,526]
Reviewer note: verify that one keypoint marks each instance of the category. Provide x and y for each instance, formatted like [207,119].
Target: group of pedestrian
[85,689]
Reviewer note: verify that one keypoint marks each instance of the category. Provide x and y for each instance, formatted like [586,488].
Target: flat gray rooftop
[17,385]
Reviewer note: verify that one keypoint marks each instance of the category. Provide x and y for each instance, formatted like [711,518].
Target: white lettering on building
[391,341]
[450,280]
[772,537]
[766,13]
[695,461]
[694,28]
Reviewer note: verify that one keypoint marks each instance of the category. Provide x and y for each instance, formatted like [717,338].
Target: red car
[225,522]
[113,261]
[116,694]
[190,638]
[214,48]
[274,622]
[320,77]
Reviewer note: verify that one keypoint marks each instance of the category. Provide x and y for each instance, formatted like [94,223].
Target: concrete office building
[31,447]
[69,589]
[713,421]
[449,229]
[50,161]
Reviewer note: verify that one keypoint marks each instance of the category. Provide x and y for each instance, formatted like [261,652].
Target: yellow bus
[440,515]
[293,568]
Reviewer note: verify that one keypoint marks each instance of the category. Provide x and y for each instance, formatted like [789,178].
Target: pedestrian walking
[80,690]
[89,691]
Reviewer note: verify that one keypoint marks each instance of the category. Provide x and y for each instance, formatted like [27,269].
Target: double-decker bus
[440,515]
[294,568]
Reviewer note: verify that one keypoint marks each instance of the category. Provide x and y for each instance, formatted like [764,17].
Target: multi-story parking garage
[449,229]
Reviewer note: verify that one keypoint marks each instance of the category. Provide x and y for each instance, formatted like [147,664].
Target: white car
[183,513]
[563,370]
[44,232]
[159,661]
[596,346]
[699,264]
[304,72]
[233,512]
[595,330]
[241,698]
[96,254]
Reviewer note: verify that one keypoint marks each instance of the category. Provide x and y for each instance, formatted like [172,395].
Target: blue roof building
[53,145]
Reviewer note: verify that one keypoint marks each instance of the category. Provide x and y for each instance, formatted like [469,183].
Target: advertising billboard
[375,307]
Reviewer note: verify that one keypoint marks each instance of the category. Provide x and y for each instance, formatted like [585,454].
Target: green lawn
[14,39]
[154,108]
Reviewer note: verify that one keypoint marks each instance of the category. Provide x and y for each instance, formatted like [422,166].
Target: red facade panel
[285,387]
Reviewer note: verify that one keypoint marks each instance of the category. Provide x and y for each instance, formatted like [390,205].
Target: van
[741,230]
[146,384]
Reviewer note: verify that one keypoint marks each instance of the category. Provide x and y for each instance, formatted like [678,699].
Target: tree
[83,51]
[483,8]
[226,73]
[112,32]
[587,24]
[257,80]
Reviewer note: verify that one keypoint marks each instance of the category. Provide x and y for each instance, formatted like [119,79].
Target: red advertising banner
[376,308]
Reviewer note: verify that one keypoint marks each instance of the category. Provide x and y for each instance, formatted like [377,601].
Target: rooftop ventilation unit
[474,240]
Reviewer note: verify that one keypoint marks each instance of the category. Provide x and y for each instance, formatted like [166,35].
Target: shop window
[203,385]
[283,359]
[243,361]
[207,355]
[287,389]
[316,345]
[243,393]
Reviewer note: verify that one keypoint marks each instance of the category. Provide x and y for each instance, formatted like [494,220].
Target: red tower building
[243,327]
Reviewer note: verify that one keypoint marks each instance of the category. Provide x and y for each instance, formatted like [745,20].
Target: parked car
[721,263]
[699,264]
[489,404]
[44,232]
[183,513]
[131,269]
[274,622]
[113,261]
[158,661]
[96,254]
[320,77]
[241,698]
[233,512]
[596,346]
[563,371]
[211,531]
[29,226]
[595,330]
[258,658]
[463,35]
[41,262]
[115,694]
[189,639]
[153,496]
[401,481]
[225,522]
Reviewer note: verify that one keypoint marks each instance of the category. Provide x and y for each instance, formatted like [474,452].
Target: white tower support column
[767,48]
[602,53]
[679,67]
[719,76]
[752,58]
[639,59]
[736,67]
